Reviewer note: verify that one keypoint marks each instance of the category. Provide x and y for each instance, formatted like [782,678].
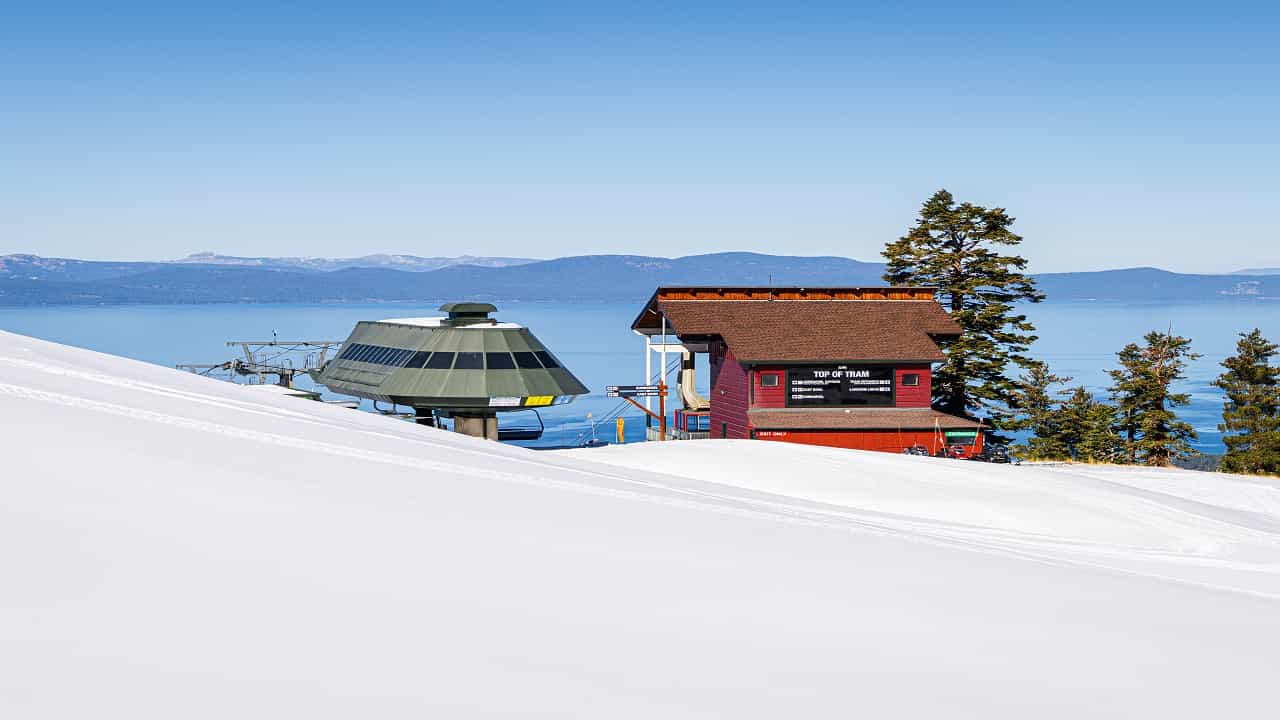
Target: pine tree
[1142,389]
[1087,427]
[955,248]
[1251,413]
[1034,409]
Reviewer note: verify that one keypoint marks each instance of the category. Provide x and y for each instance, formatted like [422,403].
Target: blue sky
[1118,134]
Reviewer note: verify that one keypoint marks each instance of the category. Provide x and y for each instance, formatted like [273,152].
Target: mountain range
[209,278]
[412,263]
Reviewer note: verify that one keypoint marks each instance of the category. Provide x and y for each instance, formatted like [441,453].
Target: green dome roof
[466,361]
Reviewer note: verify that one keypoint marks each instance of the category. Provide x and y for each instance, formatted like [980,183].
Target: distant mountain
[34,267]
[1146,283]
[411,263]
[31,280]
[1258,271]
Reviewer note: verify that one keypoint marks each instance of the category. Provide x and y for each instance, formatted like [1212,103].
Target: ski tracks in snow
[651,487]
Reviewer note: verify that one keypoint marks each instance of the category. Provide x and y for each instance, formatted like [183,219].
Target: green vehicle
[466,366]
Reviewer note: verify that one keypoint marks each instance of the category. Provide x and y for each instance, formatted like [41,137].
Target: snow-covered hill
[172,546]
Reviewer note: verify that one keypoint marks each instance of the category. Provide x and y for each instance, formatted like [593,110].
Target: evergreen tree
[1251,413]
[954,247]
[1034,409]
[1087,427]
[1142,389]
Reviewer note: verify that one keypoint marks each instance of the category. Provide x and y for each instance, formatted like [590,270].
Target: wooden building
[839,366]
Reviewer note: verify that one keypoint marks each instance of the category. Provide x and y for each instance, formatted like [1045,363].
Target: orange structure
[839,366]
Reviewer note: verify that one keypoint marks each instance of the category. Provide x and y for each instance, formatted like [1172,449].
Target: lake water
[595,342]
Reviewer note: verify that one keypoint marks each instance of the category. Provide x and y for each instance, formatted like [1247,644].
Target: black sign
[633,391]
[839,385]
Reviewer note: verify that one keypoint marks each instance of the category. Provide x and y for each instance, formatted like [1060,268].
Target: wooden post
[662,406]
[662,403]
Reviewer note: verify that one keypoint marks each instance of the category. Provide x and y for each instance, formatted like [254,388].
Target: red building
[844,367]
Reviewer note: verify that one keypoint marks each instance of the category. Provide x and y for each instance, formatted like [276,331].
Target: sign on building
[839,385]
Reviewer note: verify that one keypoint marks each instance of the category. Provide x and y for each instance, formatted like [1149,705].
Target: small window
[440,361]
[418,359]
[366,351]
[402,357]
[548,362]
[527,361]
[469,361]
[499,361]
[911,379]
[769,380]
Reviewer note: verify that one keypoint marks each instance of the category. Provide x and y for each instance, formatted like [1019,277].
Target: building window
[911,379]
[440,361]
[527,361]
[769,380]
[499,361]
[724,430]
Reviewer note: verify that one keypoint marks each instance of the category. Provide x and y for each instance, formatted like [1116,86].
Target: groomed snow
[173,546]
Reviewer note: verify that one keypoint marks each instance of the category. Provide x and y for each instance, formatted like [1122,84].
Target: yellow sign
[538,400]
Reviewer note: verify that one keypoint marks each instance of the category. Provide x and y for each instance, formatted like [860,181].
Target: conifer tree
[1141,387]
[1034,409]
[1086,426]
[955,247]
[1251,413]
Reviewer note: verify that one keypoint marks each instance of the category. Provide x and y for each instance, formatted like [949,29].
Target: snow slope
[172,546]
[1205,528]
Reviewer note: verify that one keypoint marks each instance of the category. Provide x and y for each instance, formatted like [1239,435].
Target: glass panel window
[769,380]
[469,361]
[499,361]
[911,379]
[527,361]
[418,359]
[548,362]
[440,361]
[365,352]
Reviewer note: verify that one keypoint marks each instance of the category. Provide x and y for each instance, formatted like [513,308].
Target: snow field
[176,546]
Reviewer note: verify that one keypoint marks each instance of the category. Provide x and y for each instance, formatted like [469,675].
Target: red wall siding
[729,395]
[883,440]
[769,397]
[913,396]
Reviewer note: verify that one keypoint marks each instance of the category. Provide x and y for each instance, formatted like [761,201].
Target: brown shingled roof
[817,331]
[858,419]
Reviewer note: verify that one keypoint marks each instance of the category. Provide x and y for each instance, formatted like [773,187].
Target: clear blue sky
[1118,134]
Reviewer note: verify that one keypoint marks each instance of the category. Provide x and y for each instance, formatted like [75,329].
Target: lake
[595,342]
